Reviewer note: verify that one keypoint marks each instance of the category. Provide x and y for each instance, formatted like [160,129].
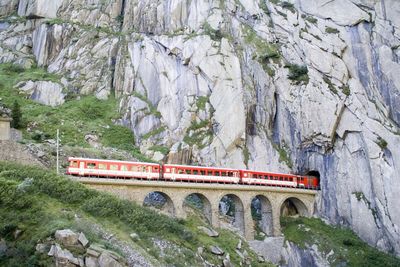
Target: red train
[173,172]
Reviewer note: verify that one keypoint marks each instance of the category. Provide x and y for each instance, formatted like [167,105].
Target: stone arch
[261,210]
[294,206]
[200,202]
[160,201]
[236,210]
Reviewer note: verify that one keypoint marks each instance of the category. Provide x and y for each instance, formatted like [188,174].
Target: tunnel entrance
[198,202]
[231,209]
[261,212]
[314,173]
[159,201]
[292,207]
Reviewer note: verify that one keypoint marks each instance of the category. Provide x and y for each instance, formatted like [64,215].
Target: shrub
[16,115]
[331,30]
[298,73]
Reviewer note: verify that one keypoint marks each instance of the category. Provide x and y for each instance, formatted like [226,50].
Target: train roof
[200,167]
[114,161]
[273,173]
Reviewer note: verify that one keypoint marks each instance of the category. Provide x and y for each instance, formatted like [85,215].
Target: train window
[91,165]
[102,166]
[202,172]
[195,172]
[223,173]
[180,171]
[209,173]
[134,169]
[188,172]
[74,164]
[124,168]
[230,174]
[114,167]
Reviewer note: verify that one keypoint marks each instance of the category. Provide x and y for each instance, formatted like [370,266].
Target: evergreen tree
[16,115]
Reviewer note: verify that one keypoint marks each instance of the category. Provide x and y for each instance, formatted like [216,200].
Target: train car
[200,174]
[267,178]
[113,168]
[309,182]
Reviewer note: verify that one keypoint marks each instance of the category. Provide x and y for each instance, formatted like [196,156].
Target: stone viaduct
[273,200]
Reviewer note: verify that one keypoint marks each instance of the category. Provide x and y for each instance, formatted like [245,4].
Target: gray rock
[227,261]
[66,237]
[269,249]
[106,260]
[42,248]
[83,240]
[93,252]
[239,245]
[45,92]
[3,247]
[91,261]
[208,231]
[216,250]
[134,236]
[200,250]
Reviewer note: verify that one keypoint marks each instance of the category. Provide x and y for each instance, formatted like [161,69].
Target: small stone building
[5,130]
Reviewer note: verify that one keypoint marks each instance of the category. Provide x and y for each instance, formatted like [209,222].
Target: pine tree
[16,115]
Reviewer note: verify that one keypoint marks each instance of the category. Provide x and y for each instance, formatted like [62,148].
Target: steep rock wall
[273,85]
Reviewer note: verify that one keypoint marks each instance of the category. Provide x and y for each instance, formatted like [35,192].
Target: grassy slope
[347,246]
[75,118]
[47,202]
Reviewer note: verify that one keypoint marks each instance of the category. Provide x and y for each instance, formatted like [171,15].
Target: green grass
[45,202]
[201,102]
[75,118]
[283,155]
[330,85]
[162,149]
[265,52]
[226,241]
[348,249]
[198,132]
[30,209]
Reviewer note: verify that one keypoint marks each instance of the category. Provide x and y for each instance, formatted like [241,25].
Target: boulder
[66,237]
[41,248]
[208,231]
[45,92]
[269,249]
[134,236]
[91,261]
[63,257]
[3,247]
[83,240]
[107,260]
[216,250]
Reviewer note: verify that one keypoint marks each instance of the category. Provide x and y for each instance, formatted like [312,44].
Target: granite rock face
[285,86]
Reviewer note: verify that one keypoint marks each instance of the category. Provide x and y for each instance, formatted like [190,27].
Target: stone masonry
[272,199]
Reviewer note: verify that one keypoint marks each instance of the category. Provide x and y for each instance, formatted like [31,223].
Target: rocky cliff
[295,86]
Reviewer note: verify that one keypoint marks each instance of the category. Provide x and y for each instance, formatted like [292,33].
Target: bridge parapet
[273,200]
